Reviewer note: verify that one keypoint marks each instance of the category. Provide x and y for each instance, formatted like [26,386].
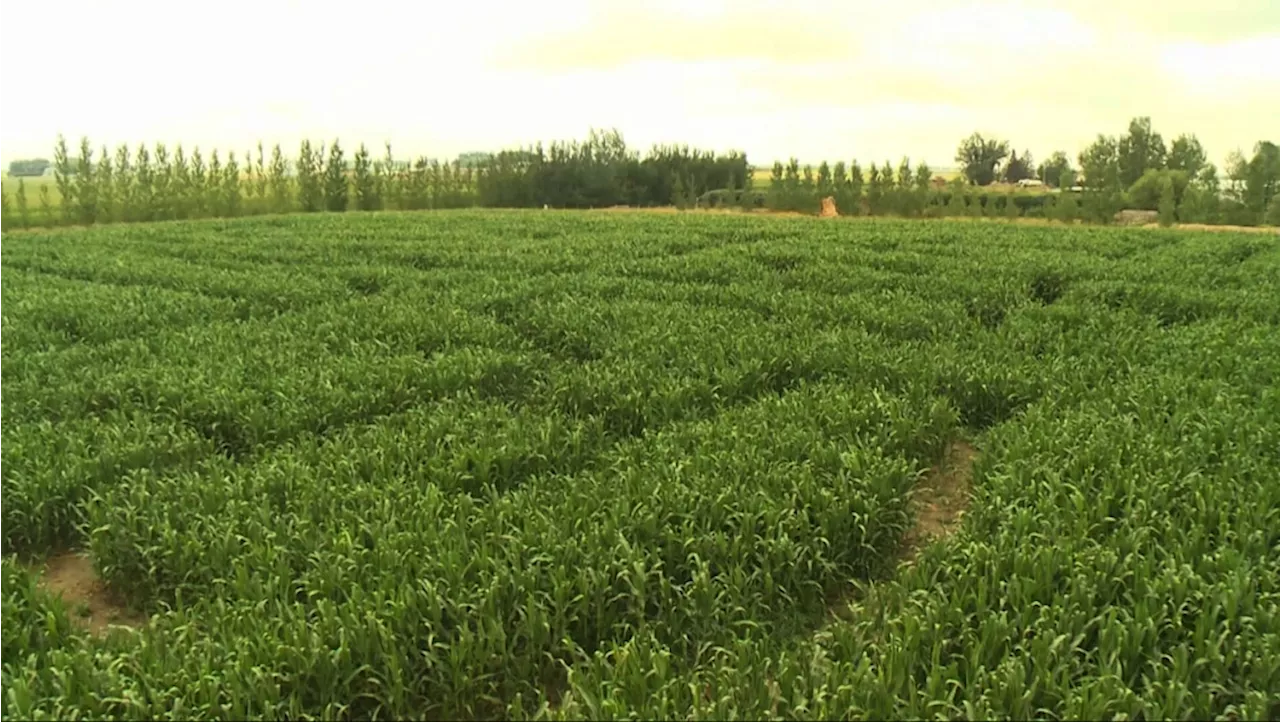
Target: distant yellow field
[762,173]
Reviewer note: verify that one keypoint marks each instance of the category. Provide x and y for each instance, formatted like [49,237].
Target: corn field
[557,465]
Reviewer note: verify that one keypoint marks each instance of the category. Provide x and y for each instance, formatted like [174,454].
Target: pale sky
[818,79]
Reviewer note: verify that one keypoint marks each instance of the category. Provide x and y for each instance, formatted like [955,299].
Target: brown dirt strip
[90,603]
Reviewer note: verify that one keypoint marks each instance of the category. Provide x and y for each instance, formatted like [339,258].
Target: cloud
[812,78]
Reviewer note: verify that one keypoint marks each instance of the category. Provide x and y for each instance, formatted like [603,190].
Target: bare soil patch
[90,603]
[941,498]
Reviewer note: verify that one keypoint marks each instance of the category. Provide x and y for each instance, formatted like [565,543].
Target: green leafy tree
[1192,207]
[144,189]
[260,177]
[777,187]
[958,189]
[906,188]
[366,182]
[104,180]
[164,184]
[1019,167]
[1056,172]
[248,184]
[824,180]
[86,189]
[1139,150]
[181,189]
[1053,208]
[1262,177]
[1010,207]
[278,180]
[747,199]
[980,157]
[415,183]
[840,189]
[215,190]
[923,185]
[392,181]
[1069,207]
[1168,207]
[62,172]
[1146,193]
[46,206]
[231,196]
[1236,174]
[791,181]
[1186,153]
[856,186]
[1100,163]
[890,198]
[924,177]
[875,190]
[974,209]
[336,188]
[199,191]
[1273,211]
[20,200]
[124,177]
[309,191]
[808,202]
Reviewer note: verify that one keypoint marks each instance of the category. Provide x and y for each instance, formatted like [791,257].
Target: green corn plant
[6,214]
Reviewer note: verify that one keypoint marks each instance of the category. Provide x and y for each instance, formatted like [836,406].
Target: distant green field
[577,465]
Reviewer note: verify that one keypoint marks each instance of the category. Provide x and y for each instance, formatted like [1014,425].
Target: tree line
[1134,170]
[908,190]
[154,183]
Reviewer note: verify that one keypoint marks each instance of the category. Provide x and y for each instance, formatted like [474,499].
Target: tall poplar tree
[62,172]
[85,185]
[336,188]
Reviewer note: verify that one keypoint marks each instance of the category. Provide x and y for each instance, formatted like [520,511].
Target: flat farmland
[550,464]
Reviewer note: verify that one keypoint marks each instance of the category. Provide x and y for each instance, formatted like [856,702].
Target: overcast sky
[819,79]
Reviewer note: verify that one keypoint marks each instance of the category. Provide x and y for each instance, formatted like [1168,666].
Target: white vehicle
[1030,183]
